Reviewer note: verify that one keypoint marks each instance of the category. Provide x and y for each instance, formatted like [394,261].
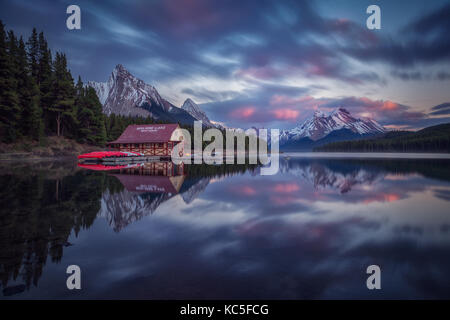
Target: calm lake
[215,232]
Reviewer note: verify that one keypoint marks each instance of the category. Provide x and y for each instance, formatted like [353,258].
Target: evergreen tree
[98,130]
[37,92]
[9,102]
[33,55]
[117,127]
[28,96]
[63,95]
[90,117]
[45,82]
[13,52]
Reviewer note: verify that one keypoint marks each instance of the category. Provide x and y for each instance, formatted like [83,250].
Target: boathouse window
[125,145]
[136,145]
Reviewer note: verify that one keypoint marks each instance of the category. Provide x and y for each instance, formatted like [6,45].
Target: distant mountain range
[124,94]
[321,129]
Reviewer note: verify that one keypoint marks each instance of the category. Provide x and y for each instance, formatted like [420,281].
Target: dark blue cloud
[442,109]
[259,45]
[424,40]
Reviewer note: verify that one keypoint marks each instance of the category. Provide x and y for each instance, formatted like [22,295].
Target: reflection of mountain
[326,174]
[145,188]
[143,195]
[43,207]
[122,208]
[193,188]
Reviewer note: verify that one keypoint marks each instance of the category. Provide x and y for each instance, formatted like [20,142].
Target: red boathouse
[150,139]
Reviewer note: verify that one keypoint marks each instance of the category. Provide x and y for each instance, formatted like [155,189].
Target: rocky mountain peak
[320,125]
[125,94]
[319,114]
[194,110]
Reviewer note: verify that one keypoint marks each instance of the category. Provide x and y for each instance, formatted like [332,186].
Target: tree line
[431,139]
[38,96]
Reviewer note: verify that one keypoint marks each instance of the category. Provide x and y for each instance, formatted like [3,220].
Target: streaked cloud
[268,54]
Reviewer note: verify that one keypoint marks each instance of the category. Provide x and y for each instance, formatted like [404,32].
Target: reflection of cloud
[383,197]
[247,190]
[226,244]
[286,187]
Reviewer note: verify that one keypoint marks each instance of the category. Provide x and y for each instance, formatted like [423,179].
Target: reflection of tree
[41,207]
[204,170]
[37,215]
[430,168]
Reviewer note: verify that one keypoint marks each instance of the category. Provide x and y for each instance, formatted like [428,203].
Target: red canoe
[108,154]
[102,167]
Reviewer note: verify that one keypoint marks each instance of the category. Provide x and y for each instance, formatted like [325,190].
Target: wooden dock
[124,160]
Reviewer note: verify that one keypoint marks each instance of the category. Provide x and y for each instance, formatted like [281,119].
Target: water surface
[308,232]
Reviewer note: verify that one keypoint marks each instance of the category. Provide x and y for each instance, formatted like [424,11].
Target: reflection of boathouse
[146,187]
[150,139]
[160,168]
[153,177]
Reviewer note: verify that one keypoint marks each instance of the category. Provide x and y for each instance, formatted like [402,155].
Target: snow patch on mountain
[123,94]
[320,125]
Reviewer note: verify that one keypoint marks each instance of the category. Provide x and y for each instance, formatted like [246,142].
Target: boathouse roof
[148,133]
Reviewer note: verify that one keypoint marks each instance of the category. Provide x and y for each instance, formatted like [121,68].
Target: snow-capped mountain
[194,110]
[124,94]
[320,125]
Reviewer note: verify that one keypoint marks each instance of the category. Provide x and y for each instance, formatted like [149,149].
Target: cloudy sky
[262,63]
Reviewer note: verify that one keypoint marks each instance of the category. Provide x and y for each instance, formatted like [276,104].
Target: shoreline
[369,155]
[52,149]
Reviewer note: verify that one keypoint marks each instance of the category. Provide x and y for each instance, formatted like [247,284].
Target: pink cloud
[381,110]
[389,105]
[243,112]
[286,114]
[286,187]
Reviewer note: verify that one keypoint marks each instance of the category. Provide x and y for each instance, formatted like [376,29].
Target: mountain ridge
[320,125]
[124,94]
[321,128]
